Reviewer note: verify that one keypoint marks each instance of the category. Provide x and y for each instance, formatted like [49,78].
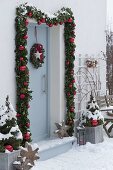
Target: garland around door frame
[24,94]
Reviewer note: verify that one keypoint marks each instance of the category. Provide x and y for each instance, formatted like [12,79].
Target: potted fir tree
[10,136]
[93,120]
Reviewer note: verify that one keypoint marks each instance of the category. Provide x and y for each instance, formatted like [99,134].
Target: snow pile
[87,157]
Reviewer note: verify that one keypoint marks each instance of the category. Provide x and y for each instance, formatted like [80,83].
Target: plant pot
[7,159]
[94,134]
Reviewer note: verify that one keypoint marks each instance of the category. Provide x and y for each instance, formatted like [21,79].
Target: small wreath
[37,55]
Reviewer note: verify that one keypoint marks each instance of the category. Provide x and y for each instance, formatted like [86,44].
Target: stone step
[53,147]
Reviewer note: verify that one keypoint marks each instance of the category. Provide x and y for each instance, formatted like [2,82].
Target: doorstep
[53,147]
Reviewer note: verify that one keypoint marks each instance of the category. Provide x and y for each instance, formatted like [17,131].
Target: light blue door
[38,112]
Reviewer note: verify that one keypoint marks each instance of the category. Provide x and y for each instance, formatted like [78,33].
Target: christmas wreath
[37,55]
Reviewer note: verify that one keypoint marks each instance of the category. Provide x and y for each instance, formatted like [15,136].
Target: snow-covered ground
[87,157]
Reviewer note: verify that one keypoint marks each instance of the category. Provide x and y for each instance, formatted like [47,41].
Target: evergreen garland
[64,16]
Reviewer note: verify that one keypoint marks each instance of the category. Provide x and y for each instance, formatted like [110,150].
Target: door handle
[44,83]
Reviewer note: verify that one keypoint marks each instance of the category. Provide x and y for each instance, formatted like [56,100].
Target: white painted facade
[90,16]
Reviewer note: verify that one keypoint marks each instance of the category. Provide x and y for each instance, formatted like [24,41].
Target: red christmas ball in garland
[70,85]
[25,37]
[67,63]
[25,83]
[28,124]
[73,81]
[72,109]
[9,148]
[22,68]
[22,96]
[68,94]
[70,20]
[27,136]
[26,22]
[18,115]
[21,47]
[74,92]
[30,14]
[71,40]
[21,58]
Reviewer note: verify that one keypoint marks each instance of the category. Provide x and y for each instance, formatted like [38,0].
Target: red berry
[50,25]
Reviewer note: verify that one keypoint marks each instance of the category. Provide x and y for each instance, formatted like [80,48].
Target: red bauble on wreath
[37,55]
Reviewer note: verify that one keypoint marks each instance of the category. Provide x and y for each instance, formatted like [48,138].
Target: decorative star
[62,130]
[22,163]
[29,153]
[37,54]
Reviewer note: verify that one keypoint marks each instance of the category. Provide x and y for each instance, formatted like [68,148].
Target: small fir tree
[10,134]
[92,116]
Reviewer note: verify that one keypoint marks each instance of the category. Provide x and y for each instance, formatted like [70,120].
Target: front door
[38,112]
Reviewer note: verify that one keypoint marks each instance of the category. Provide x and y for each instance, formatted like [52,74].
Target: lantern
[81,135]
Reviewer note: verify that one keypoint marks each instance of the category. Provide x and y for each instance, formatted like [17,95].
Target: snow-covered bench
[106,106]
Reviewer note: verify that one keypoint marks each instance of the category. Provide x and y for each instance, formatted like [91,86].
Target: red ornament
[71,40]
[25,37]
[60,23]
[74,92]
[9,148]
[68,94]
[28,124]
[18,115]
[22,96]
[73,81]
[39,22]
[70,85]
[21,58]
[55,23]
[94,122]
[30,14]
[67,62]
[27,136]
[70,20]
[26,22]
[43,20]
[25,83]
[22,68]
[50,25]
[72,109]
[72,72]
[21,47]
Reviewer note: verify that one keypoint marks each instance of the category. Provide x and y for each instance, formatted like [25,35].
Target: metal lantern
[81,135]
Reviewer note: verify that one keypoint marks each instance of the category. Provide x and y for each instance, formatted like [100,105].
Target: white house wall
[90,20]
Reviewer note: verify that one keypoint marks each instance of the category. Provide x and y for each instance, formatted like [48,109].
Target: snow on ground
[87,157]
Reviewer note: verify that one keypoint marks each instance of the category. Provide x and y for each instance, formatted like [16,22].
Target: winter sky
[110,13]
